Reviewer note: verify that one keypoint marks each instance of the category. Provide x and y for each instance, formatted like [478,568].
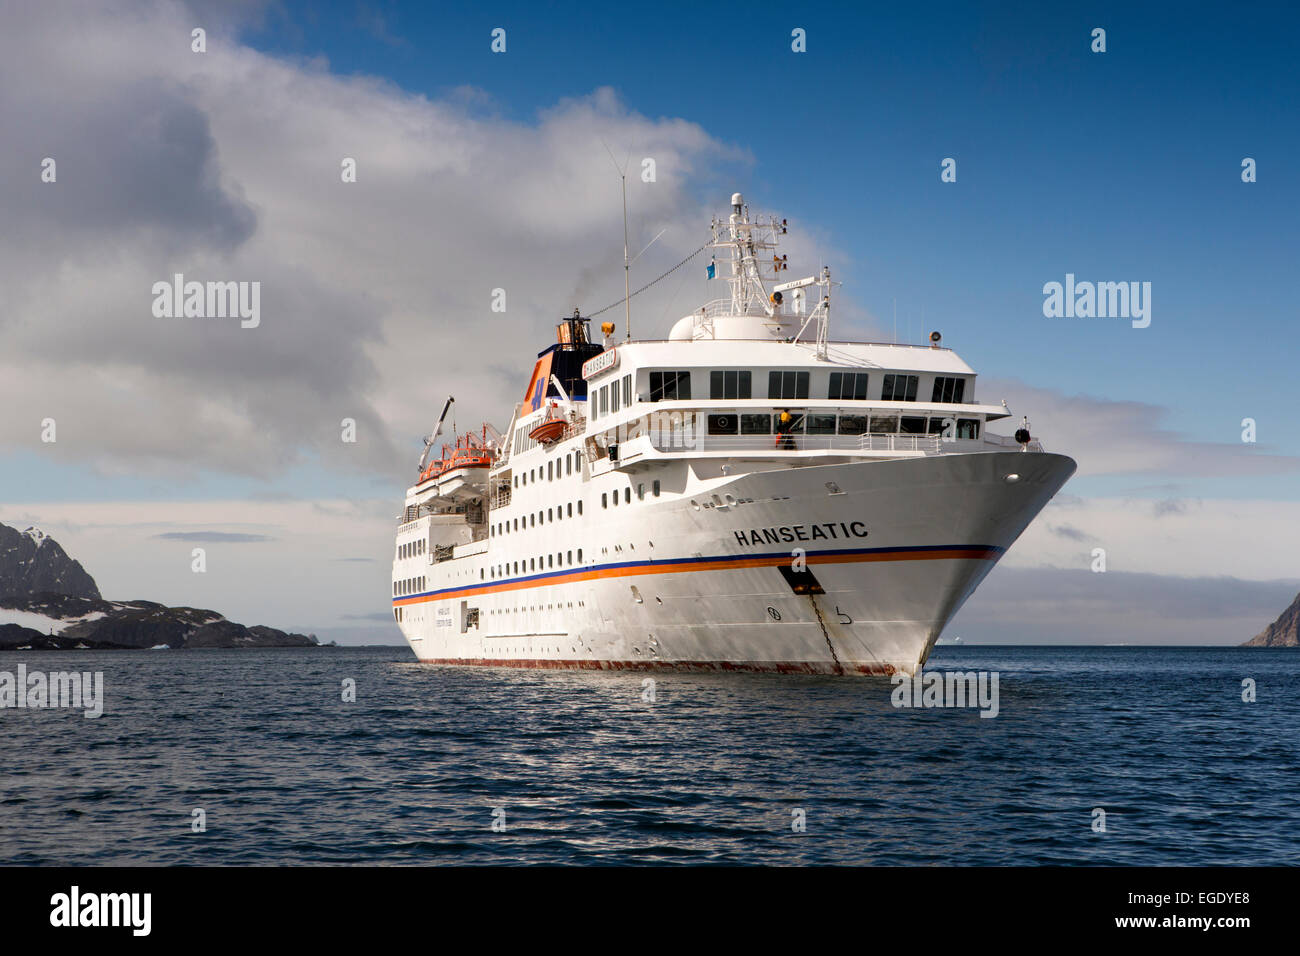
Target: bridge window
[821,424]
[627,390]
[848,386]
[729,384]
[787,384]
[614,392]
[670,386]
[723,424]
[948,390]
[899,388]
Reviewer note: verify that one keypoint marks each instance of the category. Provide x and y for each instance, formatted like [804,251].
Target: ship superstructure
[747,494]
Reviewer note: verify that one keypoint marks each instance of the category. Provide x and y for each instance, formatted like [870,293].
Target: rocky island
[48,601]
[1284,632]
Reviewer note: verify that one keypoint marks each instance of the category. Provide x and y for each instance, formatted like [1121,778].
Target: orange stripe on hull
[722,564]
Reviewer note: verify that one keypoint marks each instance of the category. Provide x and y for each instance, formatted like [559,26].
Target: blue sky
[1118,166]
[1122,165]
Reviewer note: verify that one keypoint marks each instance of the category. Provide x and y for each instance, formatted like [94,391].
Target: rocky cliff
[33,563]
[1284,632]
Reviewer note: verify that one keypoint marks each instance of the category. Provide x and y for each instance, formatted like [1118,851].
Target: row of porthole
[533,520]
[533,564]
[571,463]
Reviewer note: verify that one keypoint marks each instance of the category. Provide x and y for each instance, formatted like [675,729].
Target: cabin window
[568,557]
[821,424]
[948,390]
[787,384]
[604,499]
[579,507]
[883,424]
[968,428]
[627,390]
[579,554]
[627,495]
[570,509]
[723,424]
[848,386]
[550,561]
[615,497]
[654,488]
[548,514]
[640,492]
[614,391]
[516,481]
[912,426]
[670,386]
[756,424]
[568,465]
[727,384]
[899,388]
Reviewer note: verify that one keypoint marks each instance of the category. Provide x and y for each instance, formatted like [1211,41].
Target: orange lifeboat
[466,454]
[549,429]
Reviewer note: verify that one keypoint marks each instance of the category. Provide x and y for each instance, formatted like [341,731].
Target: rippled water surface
[711,771]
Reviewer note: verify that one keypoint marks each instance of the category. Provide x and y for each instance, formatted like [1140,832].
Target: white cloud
[1109,437]
[375,295]
[1179,536]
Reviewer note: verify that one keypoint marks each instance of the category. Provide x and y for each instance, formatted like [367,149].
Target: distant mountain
[60,622]
[1284,632]
[49,602]
[33,563]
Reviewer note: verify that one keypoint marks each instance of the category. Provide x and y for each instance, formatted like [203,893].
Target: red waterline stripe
[755,667]
[959,552]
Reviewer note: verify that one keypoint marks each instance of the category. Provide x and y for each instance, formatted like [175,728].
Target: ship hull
[848,568]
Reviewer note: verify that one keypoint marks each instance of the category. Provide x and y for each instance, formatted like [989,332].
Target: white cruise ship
[748,494]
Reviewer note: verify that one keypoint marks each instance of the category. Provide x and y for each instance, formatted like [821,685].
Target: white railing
[1006,441]
[689,441]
